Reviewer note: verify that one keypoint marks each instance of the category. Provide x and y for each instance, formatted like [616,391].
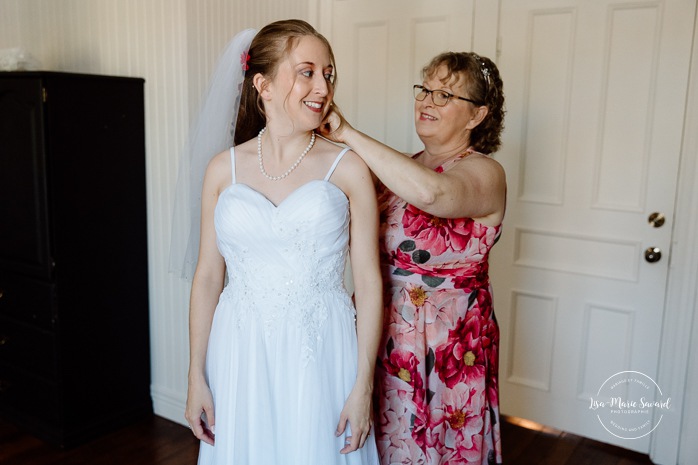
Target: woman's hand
[358,412]
[200,404]
[334,125]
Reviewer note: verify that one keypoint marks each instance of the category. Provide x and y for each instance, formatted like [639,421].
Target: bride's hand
[199,412]
[357,412]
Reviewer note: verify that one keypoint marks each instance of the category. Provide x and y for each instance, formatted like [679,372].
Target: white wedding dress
[282,351]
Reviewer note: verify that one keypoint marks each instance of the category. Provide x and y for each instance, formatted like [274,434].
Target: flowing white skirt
[279,382]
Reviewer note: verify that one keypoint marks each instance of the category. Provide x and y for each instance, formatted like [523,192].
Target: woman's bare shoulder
[218,172]
[218,163]
[481,164]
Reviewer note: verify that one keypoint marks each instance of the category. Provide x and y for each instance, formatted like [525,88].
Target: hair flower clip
[486,72]
[483,67]
[244,61]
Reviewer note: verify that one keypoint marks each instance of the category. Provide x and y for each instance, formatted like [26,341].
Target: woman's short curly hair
[484,85]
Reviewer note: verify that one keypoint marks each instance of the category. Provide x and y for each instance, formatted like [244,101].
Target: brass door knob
[653,254]
[656,219]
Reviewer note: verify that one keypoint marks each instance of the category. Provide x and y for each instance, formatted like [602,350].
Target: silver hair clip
[483,68]
[486,73]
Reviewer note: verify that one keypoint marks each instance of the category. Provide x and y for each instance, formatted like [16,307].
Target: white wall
[174,45]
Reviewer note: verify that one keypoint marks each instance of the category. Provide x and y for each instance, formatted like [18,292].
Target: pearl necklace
[288,171]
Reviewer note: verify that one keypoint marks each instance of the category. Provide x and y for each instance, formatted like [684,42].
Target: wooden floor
[156,441]
[528,443]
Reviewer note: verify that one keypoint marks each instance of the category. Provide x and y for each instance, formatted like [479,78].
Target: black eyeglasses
[439,97]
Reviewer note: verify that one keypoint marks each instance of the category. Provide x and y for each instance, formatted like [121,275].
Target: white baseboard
[168,404]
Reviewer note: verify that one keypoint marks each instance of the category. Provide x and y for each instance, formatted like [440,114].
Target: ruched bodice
[305,237]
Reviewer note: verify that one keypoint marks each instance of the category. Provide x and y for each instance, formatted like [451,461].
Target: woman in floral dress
[441,212]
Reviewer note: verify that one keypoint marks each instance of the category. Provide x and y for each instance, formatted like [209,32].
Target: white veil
[212,133]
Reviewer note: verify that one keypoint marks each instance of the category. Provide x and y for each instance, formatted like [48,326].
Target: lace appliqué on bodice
[279,298]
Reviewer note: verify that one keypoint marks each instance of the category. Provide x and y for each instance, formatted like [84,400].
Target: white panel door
[595,93]
[595,97]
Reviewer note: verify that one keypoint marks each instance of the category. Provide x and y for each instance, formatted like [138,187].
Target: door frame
[673,442]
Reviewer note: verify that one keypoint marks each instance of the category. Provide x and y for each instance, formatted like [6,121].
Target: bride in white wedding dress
[282,362]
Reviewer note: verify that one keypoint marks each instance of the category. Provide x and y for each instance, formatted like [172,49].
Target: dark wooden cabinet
[74,337]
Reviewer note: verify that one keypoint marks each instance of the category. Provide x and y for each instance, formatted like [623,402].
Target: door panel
[595,93]
[24,246]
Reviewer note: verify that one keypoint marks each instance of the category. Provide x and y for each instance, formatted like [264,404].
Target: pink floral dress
[437,370]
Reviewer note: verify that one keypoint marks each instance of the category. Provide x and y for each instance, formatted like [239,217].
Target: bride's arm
[206,288]
[358,185]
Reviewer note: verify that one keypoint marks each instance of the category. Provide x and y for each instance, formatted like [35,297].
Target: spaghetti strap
[232,164]
[336,162]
